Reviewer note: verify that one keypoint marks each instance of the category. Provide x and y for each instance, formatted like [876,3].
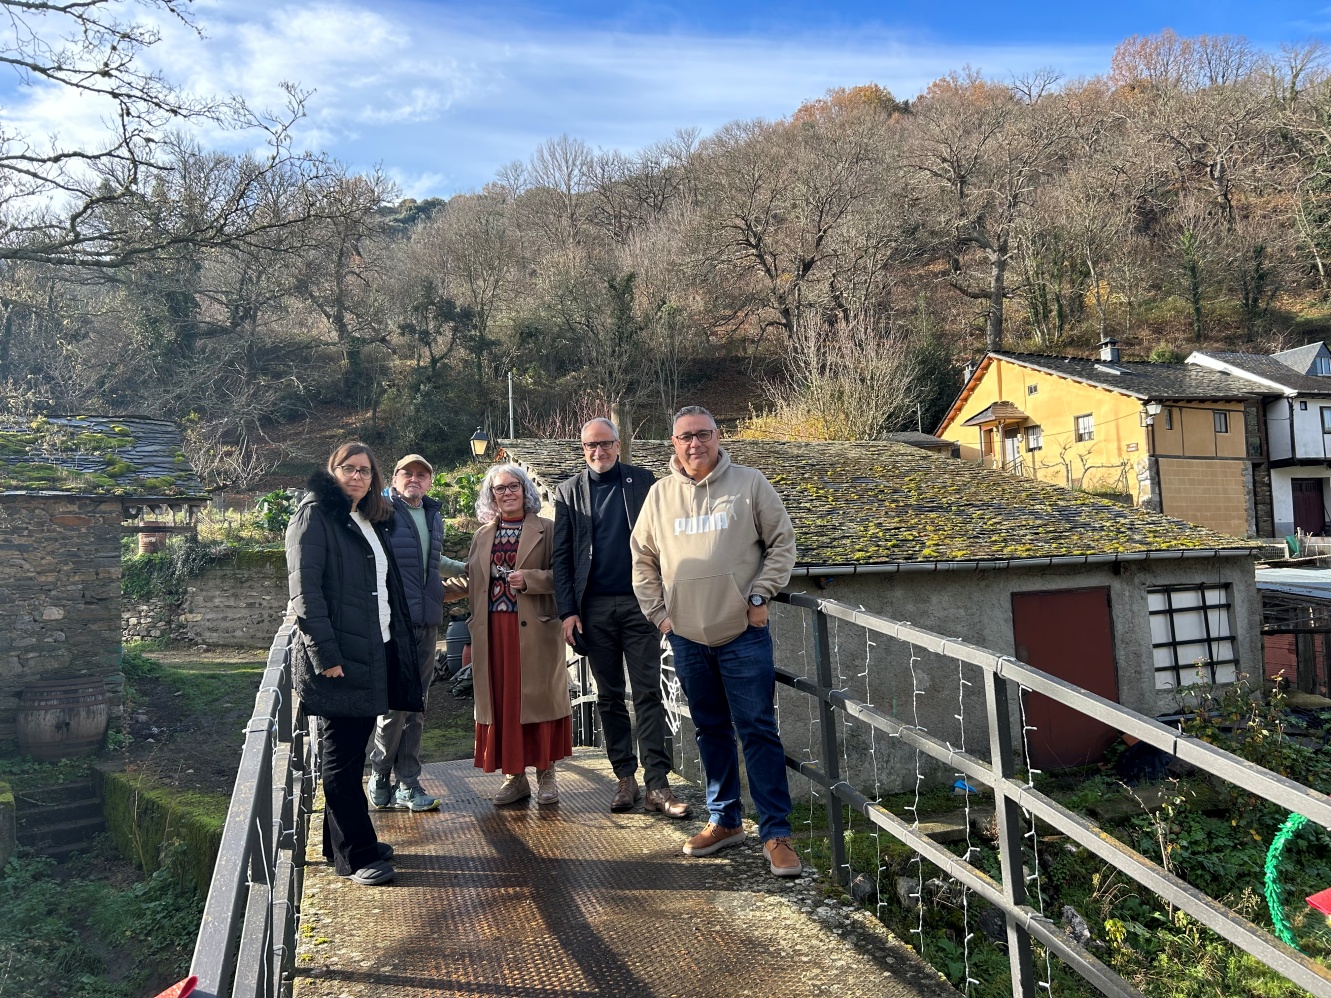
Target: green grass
[450,734]
[24,773]
[204,686]
[60,935]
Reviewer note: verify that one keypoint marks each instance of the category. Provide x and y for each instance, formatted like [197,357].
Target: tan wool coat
[544,674]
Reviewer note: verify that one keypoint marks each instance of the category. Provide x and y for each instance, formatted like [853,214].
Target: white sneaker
[547,790]
[515,788]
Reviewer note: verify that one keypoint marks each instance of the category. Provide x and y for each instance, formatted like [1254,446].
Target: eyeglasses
[592,445]
[702,436]
[351,471]
[511,487]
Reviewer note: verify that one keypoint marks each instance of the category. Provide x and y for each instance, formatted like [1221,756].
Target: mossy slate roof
[132,457]
[883,503]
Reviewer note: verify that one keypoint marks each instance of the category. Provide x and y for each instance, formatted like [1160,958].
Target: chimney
[1109,350]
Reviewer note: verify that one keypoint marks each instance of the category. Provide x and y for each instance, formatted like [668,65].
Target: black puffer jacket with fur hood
[331,579]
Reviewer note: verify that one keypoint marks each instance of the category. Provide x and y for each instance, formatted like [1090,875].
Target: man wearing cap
[417,538]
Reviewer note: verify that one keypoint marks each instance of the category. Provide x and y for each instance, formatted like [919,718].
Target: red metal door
[1066,633]
[1309,511]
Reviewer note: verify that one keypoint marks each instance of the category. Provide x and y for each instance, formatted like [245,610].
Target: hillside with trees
[825,275]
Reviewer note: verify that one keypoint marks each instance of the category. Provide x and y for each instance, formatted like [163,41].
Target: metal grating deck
[573,900]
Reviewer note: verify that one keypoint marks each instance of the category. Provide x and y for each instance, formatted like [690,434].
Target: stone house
[68,484]
[1137,607]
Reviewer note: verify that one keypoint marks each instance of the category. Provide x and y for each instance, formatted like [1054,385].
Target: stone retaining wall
[237,602]
[59,594]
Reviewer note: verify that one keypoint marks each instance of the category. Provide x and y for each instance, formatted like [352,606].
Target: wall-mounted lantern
[479,442]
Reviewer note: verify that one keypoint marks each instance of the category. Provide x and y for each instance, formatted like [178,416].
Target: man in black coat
[594,515]
[416,536]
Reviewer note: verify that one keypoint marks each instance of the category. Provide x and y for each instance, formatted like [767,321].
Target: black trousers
[617,634]
[350,842]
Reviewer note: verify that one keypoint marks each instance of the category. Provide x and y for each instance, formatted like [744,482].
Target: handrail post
[1008,814]
[836,827]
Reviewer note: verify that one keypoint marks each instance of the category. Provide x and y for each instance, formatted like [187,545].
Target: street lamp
[1153,409]
[479,441]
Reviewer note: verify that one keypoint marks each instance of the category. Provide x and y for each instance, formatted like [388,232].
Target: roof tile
[877,502]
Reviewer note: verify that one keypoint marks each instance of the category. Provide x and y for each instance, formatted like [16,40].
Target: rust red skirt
[508,745]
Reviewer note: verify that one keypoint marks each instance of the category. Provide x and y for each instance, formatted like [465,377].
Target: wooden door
[1309,506]
[1067,633]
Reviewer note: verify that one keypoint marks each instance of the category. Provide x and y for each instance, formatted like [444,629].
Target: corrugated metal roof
[1312,582]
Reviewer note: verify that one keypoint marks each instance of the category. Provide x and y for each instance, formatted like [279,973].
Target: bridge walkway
[572,900]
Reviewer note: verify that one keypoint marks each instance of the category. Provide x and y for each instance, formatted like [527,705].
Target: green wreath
[1274,890]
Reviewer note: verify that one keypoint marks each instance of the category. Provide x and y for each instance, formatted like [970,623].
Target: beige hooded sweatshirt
[701,548]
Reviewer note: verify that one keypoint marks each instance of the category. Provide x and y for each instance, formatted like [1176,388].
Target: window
[1169,418]
[1192,639]
[1326,419]
[1034,438]
[1085,427]
[1032,389]
[1303,406]
[1221,420]
[1322,366]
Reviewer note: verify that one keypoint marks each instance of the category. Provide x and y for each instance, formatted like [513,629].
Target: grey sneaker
[415,799]
[381,791]
[373,875]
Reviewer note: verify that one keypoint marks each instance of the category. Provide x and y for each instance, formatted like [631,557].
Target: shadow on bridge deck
[573,900]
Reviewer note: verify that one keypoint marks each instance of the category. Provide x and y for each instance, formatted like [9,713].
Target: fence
[249,923]
[1013,799]
[246,945]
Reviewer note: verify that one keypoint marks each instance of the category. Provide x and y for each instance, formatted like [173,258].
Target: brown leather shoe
[781,858]
[712,838]
[665,801]
[626,795]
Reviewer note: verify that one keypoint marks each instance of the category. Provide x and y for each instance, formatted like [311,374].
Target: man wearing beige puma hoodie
[712,545]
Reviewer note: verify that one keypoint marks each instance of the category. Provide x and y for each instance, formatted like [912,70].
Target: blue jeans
[730,690]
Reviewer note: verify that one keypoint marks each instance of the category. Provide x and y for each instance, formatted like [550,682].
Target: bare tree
[985,149]
[63,203]
[853,380]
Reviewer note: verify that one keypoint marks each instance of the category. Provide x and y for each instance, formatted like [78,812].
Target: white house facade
[1297,416]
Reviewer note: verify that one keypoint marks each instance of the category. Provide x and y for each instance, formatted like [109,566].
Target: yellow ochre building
[1181,439]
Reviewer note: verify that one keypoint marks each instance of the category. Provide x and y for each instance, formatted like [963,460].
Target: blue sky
[442,94]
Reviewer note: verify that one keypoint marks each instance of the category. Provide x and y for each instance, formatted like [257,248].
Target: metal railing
[246,945]
[1013,797]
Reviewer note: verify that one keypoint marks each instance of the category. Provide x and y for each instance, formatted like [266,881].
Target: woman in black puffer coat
[353,640]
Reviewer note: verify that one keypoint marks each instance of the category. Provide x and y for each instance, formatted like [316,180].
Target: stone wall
[151,620]
[59,595]
[238,602]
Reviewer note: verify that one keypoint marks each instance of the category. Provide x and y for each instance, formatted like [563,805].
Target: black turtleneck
[611,569]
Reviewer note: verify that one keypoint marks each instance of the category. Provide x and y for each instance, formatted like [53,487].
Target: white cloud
[442,97]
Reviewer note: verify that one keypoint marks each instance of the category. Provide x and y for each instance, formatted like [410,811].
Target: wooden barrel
[152,543]
[62,718]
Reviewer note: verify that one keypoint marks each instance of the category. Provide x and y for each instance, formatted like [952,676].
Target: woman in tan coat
[523,714]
